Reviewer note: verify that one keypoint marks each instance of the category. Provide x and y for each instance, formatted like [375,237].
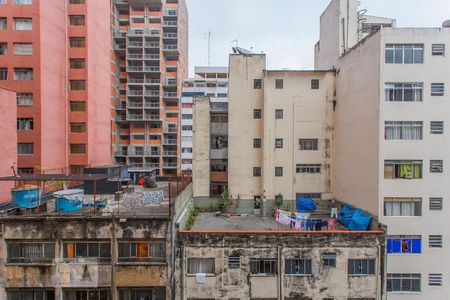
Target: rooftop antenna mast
[235,41]
[208,35]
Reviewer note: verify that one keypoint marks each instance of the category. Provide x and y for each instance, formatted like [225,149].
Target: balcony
[152,105]
[119,35]
[170,95]
[170,142]
[219,128]
[118,47]
[172,82]
[142,167]
[152,69]
[219,153]
[134,56]
[170,36]
[135,81]
[170,23]
[152,57]
[132,151]
[170,130]
[152,45]
[134,44]
[152,82]
[149,152]
[135,93]
[152,118]
[218,176]
[135,105]
[151,93]
[134,69]
[134,117]
[170,13]
[170,153]
[120,153]
[170,165]
[170,48]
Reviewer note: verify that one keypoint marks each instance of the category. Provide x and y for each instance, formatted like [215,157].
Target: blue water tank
[69,200]
[25,197]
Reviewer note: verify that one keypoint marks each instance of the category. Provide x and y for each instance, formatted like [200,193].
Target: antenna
[208,35]
[235,41]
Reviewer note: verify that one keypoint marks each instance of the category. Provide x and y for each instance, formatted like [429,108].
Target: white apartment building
[208,81]
[391,152]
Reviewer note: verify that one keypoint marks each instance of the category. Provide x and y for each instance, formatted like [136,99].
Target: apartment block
[8,137]
[149,67]
[61,80]
[208,81]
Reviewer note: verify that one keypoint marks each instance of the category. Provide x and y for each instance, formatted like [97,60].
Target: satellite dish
[446,24]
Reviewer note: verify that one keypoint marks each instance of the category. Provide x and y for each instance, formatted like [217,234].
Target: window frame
[436,166]
[263,266]
[390,277]
[279,84]
[308,168]
[45,256]
[278,171]
[356,271]
[414,205]
[257,84]
[416,50]
[79,243]
[210,265]
[133,251]
[257,114]
[298,266]
[303,144]
[279,143]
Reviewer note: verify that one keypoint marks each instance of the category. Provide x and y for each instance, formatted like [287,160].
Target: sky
[286,30]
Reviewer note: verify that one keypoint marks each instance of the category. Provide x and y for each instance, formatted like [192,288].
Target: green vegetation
[224,201]
[279,200]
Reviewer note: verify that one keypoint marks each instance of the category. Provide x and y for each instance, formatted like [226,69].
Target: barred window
[30,252]
[77,148]
[77,106]
[77,85]
[263,266]
[308,168]
[77,63]
[77,127]
[298,266]
[358,267]
[24,99]
[77,42]
[234,262]
[315,84]
[257,114]
[278,83]
[256,143]
[436,166]
[76,20]
[25,148]
[142,251]
[87,249]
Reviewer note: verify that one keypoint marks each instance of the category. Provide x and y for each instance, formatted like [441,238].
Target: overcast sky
[286,30]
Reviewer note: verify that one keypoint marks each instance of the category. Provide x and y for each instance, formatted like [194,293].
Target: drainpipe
[379,290]
[182,272]
[280,275]
[66,79]
[114,258]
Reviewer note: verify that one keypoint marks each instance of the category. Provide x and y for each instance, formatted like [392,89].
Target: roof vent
[446,24]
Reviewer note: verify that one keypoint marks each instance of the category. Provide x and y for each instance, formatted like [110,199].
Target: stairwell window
[77,85]
[23,1]
[76,20]
[404,53]
[25,124]
[23,24]
[77,148]
[77,42]
[23,74]
[23,49]
[437,89]
[436,127]
[24,99]
[25,148]
[402,207]
[77,63]
[403,92]
[279,84]
[402,169]
[403,130]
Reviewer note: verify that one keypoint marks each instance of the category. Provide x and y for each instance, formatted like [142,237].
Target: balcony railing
[134,69]
[170,141]
[170,35]
[170,47]
[135,93]
[170,23]
[149,152]
[152,81]
[170,130]
[134,105]
[152,45]
[134,56]
[135,117]
[135,81]
[120,47]
[151,93]
[170,164]
[152,117]
[134,44]
[151,105]
[170,95]
[170,82]
[142,166]
[170,13]
[152,56]
[151,69]
[170,153]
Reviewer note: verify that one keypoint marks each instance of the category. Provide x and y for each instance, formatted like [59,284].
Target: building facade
[62,82]
[150,64]
[208,81]
[8,137]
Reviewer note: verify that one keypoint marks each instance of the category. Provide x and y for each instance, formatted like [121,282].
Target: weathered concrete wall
[324,282]
[201,145]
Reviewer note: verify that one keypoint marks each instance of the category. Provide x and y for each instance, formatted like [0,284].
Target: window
[256,114]
[403,92]
[308,144]
[23,2]
[403,282]
[435,203]
[3,74]
[403,130]
[358,267]
[23,49]
[25,148]
[435,279]
[263,266]
[91,294]
[23,24]
[25,171]
[77,85]
[402,169]
[222,95]
[329,260]
[436,127]
[77,127]
[186,128]
[278,83]
[278,114]
[76,20]
[257,84]
[24,99]
[234,262]
[25,124]
[438,49]
[297,266]
[279,171]
[256,171]
[200,265]
[77,148]
[256,143]
[404,244]
[27,294]
[405,207]
[142,251]
[23,74]
[186,116]
[98,250]
[186,150]
[404,53]
[315,84]
[437,89]
[308,195]
[77,106]
[77,42]
[278,143]
[222,84]
[3,48]
[308,168]
[76,1]
[436,166]
[77,63]
[3,23]
[435,241]
[142,294]
[33,252]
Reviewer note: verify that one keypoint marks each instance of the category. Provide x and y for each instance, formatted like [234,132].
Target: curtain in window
[70,253]
[142,249]
[22,24]
[32,250]
[200,265]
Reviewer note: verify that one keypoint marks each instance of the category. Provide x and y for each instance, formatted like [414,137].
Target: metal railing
[170,153]
[134,44]
[170,141]
[170,164]
[151,69]
[134,69]
[170,95]
[152,81]
[170,47]
[135,93]
[152,56]
[170,23]
[152,45]
[134,56]
[170,35]
[151,93]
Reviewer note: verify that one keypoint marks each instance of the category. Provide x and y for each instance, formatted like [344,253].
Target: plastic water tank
[69,200]
[446,24]
[25,197]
